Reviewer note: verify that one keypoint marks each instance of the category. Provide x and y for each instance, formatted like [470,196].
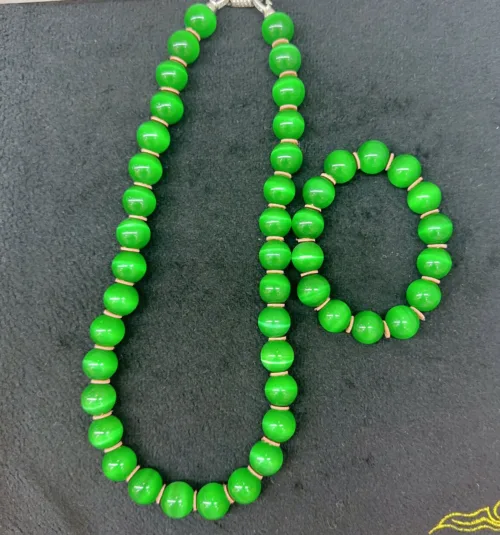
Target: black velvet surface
[390,438]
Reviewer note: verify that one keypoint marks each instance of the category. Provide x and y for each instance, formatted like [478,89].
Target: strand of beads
[434,229]
[145,485]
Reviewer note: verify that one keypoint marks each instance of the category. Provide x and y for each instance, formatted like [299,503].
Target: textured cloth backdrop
[390,438]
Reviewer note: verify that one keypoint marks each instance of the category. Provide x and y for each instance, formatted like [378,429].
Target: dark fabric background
[390,438]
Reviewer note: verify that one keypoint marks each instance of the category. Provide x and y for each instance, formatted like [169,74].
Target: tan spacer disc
[329,177]
[276,305]
[356,157]
[126,283]
[302,240]
[288,73]
[158,498]
[389,163]
[411,186]
[275,271]
[279,238]
[100,381]
[170,89]
[104,348]
[142,185]
[270,442]
[283,173]
[323,305]
[130,250]
[387,332]
[101,416]
[274,205]
[312,207]
[309,273]
[146,151]
[286,140]
[131,475]
[254,473]
[431,279]
[141,217]
[277,374]
[158,120]
[430,212]
[349,328]
[179,60]
[277,339]
[194,32]
[288,107]
[418,313]
[115,447]
[277,408]
[228,496]
[437,246]
[194,501]
[281,41]
[111,315]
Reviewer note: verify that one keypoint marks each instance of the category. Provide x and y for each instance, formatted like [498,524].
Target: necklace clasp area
[265,7]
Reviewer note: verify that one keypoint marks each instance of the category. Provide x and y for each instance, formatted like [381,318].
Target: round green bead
[424,197]
[373,157]
[277,26]
[307,256]
[139,201]
[285,57]
[212,502]
[274,288]
[201,19]
[286,157]
[107,331]
[275,254]
[243,486]
[133,233]
[167,106]
[129,266]
[105,432]
[277,356]
[288,124]
[172,74]
[313,290]
[184,45]
[121,299]
[368,327]
[289,90]
[423,295]
[153,136]
[118,464]
[307,223]
[274,322]
[435,228]
[145,168]
[278,426]
[145,486]
[266,459]
[434,263]
[177,499]
[100,364]
[319,192]
[98,399]
[335,316]
[403,323]
[341,165]
[281,390]
[275,222]
[279,190]
[404,170]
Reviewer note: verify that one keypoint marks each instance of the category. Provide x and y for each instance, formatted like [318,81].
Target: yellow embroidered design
[485,518]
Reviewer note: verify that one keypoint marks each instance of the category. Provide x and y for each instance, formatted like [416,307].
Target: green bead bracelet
[434,229]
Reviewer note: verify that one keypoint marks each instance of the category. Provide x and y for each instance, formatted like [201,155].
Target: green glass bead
[434,263]
[107,331]
[313,290]
[121,299]
[373,157]
[167,106]
[368,327]
[105,432]
[424,197]
[289,90]
[177,499]
[129,266]
[184,45]
[153,136]
[403,323]
[100,364]
[277,26]
[278,426]
[133,233]
[266,459]
[281,390]
[423,295]
[98,399]
[118,464]
[172,74]
[274,322]
[145,168]
[275,254]
[307,223]
[275,222]
[288,124]
[279,190]
[307,256]
[335,316]
[274,288]
[319,192]
[286,157]
[277,356]
[139,201]
[404,170]
[285,57]
[435,228]
[243,486]
[341,165]
[212,502]
[145,486]
[201,19]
